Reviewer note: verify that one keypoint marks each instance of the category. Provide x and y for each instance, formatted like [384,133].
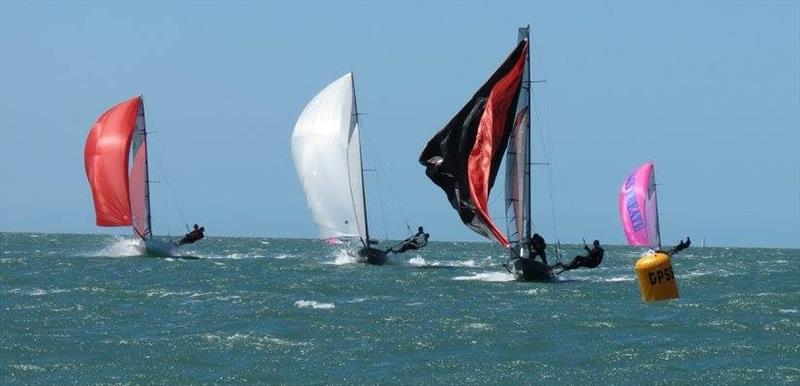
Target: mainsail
[118,181]
[326,147]
[518,161]
[638,207]
[463,157]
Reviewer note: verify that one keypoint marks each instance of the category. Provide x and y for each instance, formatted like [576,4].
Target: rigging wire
[381,171]
[171,192]
[545,135]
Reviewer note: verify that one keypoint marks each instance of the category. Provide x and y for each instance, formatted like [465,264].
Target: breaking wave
[342,257]
[122,247]
[488,276]
[314,305]
[420,262]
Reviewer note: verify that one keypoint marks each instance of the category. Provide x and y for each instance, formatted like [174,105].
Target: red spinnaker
[488,142]
[106,158]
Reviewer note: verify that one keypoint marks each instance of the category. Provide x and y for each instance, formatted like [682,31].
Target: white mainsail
[326,148]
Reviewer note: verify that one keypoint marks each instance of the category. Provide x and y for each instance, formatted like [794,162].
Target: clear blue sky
[709,91]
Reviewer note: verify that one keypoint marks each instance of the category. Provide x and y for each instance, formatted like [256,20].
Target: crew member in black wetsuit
[195,235]
[681,246]
[592,259]
[419,240]
[538,248]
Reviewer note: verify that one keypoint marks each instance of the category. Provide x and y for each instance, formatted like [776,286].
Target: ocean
[80,309]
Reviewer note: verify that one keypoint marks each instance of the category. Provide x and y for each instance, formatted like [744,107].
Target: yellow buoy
[656,278]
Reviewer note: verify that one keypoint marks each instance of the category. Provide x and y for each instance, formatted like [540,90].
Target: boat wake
[488,276]
[419,262]
[122,247]
[342,257]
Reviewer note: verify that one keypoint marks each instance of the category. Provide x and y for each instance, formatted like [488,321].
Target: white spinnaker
[651,212]
[327,155]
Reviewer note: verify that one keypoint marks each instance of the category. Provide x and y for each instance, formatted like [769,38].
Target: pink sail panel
[138,192]
[638,207]
[106,157]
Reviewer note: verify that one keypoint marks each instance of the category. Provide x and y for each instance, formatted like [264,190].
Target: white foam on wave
[716,272]
[314,305]
[479,326]
[420,262]
[342,257]
[535,291]
[617,279]
[37,291]
[281,256]
[237,256]
[488,276]
[788,311]
[259,341]
[122,247]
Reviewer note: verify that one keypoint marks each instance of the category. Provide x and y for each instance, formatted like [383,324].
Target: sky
[710,91]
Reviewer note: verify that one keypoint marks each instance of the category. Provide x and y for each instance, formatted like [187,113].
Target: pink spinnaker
[638,207]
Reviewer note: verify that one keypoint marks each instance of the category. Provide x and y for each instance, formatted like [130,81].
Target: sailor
[419,240]
[538,247]
[195,235]
[681,246]
[592,259]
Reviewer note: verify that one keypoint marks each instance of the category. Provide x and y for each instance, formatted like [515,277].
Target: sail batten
[463,157]
[326,148]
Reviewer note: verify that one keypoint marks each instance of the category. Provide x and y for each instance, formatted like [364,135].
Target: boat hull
[158,248]
[532,270]
[374,256]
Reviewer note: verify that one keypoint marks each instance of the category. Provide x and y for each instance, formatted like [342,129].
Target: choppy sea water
[80,309]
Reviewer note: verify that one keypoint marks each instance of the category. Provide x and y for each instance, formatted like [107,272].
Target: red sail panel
[138,192]
[106,160]
[489,140]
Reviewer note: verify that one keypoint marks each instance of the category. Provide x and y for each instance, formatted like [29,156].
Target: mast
[655,194]
[361,164]
[146,170]
[524,33]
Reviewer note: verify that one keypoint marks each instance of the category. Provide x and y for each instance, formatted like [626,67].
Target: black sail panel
[451,152]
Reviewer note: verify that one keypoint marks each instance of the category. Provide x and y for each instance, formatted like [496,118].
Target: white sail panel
[327,156]
[651,212]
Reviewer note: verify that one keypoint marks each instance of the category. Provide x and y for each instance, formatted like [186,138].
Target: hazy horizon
[710,91]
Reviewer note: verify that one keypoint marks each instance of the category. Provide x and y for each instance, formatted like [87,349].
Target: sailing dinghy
[326,147]
[115,157]
[463,158]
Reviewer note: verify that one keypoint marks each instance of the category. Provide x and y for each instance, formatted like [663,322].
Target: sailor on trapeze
[419,240]
[593,258]
[195,235]
[681,246]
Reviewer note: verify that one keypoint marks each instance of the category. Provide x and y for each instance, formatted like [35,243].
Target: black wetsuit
[591,260]
[538,247]
[192,237]
[416,242]
[681,246]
